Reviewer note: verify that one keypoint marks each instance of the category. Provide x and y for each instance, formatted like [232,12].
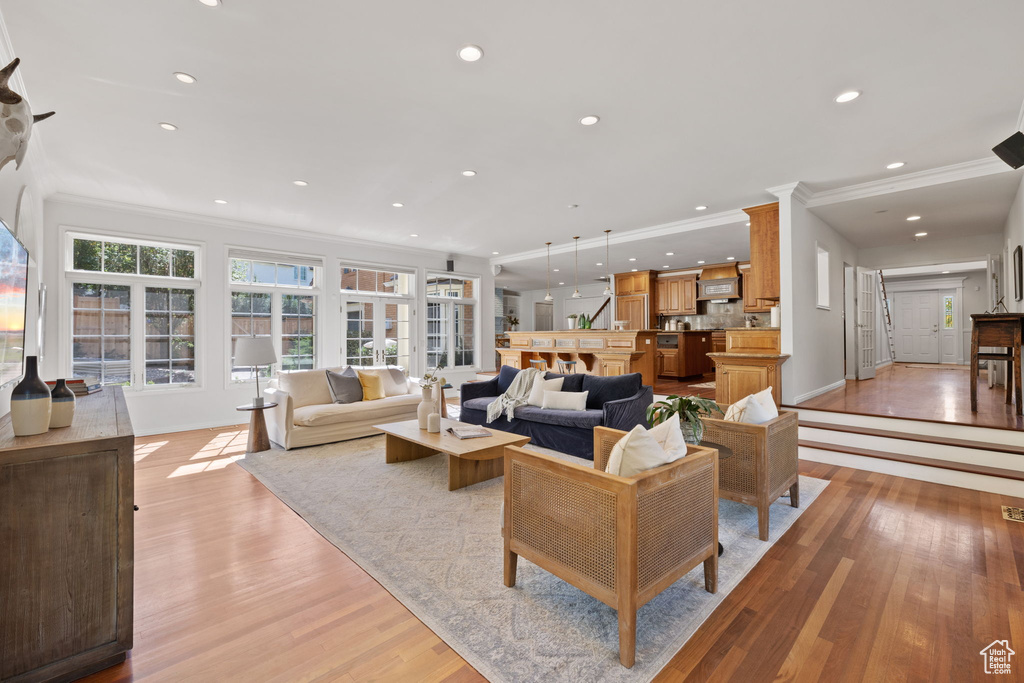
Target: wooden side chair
[763,464]
[622,540]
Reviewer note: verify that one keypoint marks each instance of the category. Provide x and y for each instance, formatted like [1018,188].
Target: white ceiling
[700,103]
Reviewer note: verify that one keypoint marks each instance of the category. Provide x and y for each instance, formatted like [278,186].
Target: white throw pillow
[540,385]
[754,409]
[565,400]
[638,451]
[669,434]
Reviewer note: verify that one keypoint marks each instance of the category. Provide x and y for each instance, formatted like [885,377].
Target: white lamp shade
[254,351]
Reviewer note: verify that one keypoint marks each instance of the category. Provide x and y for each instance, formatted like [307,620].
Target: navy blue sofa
[617,402]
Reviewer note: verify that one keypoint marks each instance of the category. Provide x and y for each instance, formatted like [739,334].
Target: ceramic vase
[434,420]
[30,402]
[62,405]
[425,407]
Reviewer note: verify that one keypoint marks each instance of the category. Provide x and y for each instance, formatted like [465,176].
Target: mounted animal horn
[16,119]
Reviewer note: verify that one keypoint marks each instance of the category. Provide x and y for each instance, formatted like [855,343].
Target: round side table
[258,439]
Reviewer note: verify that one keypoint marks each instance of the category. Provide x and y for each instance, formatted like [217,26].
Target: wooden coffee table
[470,461]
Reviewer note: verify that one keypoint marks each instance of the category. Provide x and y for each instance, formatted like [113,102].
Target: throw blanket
[514,396]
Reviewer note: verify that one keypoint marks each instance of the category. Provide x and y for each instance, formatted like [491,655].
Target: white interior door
[916,320]
[378,331]
[867,295]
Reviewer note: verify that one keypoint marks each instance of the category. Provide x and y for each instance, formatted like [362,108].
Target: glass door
[378,331]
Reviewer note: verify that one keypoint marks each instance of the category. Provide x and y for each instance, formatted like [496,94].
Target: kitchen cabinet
[668,363]
[764,253]
[689,359]
[750,363]
[632,309]
[717,346]
[751,304]
[676,295]
[628,284]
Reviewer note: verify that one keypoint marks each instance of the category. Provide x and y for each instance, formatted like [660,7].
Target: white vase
[425,407]
[434,422]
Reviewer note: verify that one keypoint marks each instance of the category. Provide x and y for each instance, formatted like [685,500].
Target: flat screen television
[13,286]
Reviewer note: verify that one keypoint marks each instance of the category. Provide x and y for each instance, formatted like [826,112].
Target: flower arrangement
[432,379]
[513,322]
[690,410]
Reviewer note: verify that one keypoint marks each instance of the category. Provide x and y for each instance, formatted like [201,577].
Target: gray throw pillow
[345,386]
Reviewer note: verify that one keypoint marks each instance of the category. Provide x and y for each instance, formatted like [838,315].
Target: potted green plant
[570,320]
[690,410]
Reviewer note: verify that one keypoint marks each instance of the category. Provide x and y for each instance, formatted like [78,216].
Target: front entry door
[917,327]
[378,331]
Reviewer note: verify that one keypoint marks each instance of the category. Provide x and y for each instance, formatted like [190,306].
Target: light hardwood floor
[882,578]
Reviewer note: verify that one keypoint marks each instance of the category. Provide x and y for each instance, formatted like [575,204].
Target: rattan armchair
[622,540]
[763,463]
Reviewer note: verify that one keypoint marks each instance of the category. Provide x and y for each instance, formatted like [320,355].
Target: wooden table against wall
[66,543]
[997,329]
[596,352]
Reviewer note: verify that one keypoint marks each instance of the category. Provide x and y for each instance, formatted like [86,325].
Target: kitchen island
[597,352]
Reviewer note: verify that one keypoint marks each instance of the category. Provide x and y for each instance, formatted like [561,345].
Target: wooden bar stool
[566,366]
[541,365]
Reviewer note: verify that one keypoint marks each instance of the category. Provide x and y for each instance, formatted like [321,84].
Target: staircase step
[910,436]
[969,468]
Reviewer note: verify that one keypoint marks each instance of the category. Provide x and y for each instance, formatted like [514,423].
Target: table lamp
[255,351]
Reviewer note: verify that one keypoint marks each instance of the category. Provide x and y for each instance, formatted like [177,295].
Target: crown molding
[627,236]
[199,219]
[910,181]
[797,190]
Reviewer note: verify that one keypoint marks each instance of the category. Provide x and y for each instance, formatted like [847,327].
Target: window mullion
[137,343]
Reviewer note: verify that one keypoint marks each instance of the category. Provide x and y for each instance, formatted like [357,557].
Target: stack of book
[81,386]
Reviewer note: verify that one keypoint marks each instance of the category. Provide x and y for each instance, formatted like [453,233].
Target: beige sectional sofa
[306,415]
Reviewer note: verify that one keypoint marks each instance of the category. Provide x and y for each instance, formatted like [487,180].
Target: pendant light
[548,296]
[576,269]
[608,285]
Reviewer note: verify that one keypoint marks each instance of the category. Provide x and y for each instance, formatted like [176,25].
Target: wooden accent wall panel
[66,530]
[764,251]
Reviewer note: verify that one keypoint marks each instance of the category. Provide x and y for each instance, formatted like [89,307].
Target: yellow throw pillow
[373,385]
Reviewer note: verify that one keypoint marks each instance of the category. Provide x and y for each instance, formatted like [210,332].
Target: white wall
[927,252]
[1013,237]
[592,292]
[213,402]
[813,336]
[13,182]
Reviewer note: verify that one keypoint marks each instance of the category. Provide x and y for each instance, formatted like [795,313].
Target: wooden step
[1015,475]
[921,438]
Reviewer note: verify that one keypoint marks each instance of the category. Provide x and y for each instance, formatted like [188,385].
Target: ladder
[888,318]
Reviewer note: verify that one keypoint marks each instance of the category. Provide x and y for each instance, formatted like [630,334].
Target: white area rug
[439,552]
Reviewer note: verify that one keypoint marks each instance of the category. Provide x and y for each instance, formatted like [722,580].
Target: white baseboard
[883,363]
[188,427]
[818,392]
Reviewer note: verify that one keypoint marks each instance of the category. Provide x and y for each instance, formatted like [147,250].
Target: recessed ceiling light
[848,96]
[168,126]
[634,270]
[664,266]
[300,183]
[494,253]
[469,173]
[220,201]
[556,270]
[701,208]
[701,262]
[561,283]
[590,119]
[913,218]
[398,205]
[413,235]
[632,259]
[730,258]
[184,77]
[598,264]
[670,253]
[896,164]
[748,225]
[945,272]
[471,53]
[920,234]
[210,3]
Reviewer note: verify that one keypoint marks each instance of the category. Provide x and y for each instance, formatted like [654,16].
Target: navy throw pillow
[604,389]
[505,376]
[570,382]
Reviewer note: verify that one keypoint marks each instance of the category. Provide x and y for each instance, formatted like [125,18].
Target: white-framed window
[376,281]
[133,311]
[822,275]
[377,304]
[274,296]
[452,320]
